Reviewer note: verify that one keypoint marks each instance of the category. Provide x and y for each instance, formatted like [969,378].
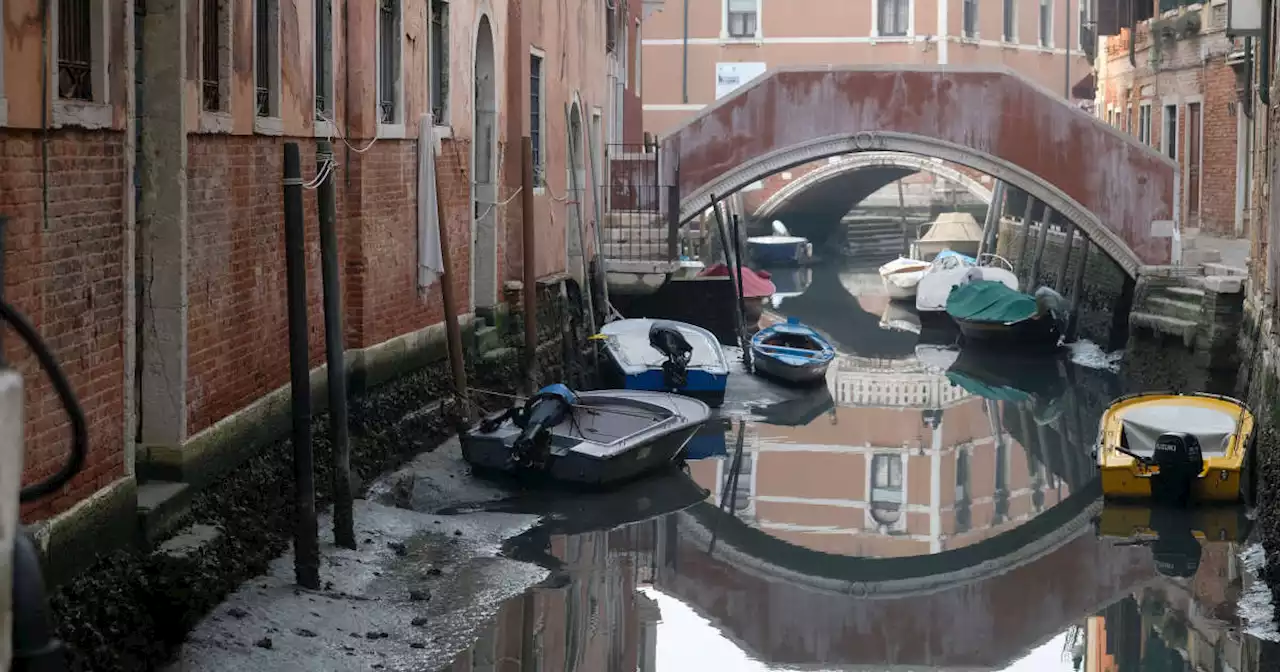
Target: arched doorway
[576,185]
[484,250]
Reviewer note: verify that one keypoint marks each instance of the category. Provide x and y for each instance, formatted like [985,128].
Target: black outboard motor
[1180,461]
[544,410]
[668,340]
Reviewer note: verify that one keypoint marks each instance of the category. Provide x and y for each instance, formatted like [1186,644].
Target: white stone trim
[855,39]
[391,132]
[1165,140]
[91,114]
[1146,142]
[835,145]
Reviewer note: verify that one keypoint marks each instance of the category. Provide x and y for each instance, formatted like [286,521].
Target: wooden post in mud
[528,244]
[730,260]
[906,230]
[991,225]
[1041,239]
[1026,234]
[1061,282]
[1077,288]
[742,300]
[453,332]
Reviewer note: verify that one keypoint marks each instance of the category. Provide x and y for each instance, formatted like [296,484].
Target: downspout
[684,75]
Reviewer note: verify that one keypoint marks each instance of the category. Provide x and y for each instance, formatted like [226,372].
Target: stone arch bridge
[1117,192]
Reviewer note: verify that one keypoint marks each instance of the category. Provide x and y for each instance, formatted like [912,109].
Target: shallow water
[923,510]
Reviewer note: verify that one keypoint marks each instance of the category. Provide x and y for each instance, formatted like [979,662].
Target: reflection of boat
[901,276]
[1175,447]
[800,411]
[992,314]
[957,231]
[781,248]
[899,317]
[594,437]
[667,356]
[789,282]
[950,270]
[709,440]
[1008,377]
[792,352]
[936,358]
[1174,535]
[757,288]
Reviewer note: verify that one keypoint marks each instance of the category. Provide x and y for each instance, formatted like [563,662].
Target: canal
[922,511]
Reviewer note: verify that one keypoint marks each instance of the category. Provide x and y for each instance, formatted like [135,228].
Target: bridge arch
[864,161]
[992,120]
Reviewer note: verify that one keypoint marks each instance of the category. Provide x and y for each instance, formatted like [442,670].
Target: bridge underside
[816,213]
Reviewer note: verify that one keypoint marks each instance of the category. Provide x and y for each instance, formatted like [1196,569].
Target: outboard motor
[1176,550]
[544,410]
[668,340]
[1178,456]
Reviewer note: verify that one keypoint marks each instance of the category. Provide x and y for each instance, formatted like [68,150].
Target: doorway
[484,251]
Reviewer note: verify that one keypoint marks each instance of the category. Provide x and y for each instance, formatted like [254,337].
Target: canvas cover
[1212,427]
[954,226]
[989,301]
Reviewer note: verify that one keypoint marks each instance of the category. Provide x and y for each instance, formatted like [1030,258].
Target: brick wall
[66,276]
[238,319]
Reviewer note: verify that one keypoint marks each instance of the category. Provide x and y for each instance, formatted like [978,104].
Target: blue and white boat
[667,356]
[792,352]
[779,249]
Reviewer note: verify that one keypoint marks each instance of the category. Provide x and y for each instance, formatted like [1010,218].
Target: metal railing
[640,225]
[75,49]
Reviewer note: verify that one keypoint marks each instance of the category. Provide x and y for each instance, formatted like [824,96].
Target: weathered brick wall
[238,319]
[66,275]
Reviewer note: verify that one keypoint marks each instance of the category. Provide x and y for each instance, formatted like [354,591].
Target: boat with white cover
[951,269]
[901,276]
[597,437]
[955,231]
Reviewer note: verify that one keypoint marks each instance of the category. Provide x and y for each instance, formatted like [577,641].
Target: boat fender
[1180,461]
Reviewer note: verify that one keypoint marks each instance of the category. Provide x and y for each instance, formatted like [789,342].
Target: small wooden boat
[1174,448]
[956,231]
[779,249]
[991,314]
[951,269]
[667,356]
[598,437]
[792,352]
[901,276]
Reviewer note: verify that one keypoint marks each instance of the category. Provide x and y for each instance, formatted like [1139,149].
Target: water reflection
[918,513]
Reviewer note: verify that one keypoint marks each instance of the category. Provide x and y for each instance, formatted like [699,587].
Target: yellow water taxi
[1175,448]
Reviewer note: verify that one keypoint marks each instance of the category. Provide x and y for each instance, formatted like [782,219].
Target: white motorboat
[669,356]
[901,276]
[955,231]
[951,269]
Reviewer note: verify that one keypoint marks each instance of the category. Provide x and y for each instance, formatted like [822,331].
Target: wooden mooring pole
[528,242]
[1077,289]
[453,332]
[306,544]
[1026,234]
[1060,284]
[1045,221]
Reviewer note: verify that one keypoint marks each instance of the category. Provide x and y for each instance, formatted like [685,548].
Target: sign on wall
[730,76]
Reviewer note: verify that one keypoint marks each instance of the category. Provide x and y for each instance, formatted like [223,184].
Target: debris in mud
[418,621]
[419,595]
[264,643]
[417,645]
[434,571]
[398,547]
[303,632]
[376,635]
[237,613]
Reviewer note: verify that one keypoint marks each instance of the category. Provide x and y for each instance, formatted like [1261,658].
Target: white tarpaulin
[1211,427]
[954,226]
[430,260]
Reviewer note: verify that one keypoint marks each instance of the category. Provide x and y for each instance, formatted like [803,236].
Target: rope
[502,204]
[333,125]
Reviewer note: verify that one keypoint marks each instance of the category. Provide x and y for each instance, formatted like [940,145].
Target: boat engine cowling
[668,340]
[544,410]
[1180,461]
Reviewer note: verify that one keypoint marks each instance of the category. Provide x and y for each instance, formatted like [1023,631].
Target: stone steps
[1176,308]
[1165,324]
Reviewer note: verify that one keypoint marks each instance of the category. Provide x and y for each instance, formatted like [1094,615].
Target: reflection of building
[909,465]
[597,621]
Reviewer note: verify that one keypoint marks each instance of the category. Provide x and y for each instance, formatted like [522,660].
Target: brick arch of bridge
[990,120]
[866,161]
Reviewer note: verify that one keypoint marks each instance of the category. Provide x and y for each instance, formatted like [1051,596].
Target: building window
[1010,31]
[440,62]
[1128,118]
[970,17]
[893,16]
[324,59]
[1085,30]
[266,29]
[1170,131]
[610,25]
[75,49]
[215,46]
[742,17]
[1046,23]
[535,117]
[1144,124]
[389,35]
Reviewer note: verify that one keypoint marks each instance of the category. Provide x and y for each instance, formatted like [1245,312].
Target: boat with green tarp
[991,313]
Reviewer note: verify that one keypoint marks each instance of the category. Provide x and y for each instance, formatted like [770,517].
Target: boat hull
[493,454]
[898,293]
[789,252]
[707,374]
[700,384]
[805,374]
[1040,333]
